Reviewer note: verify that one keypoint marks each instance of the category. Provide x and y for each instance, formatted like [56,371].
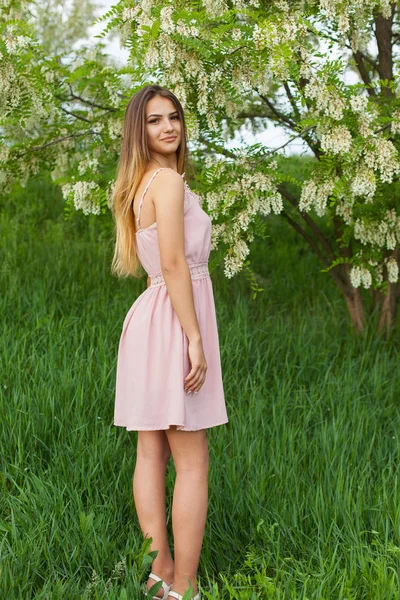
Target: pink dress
[153,358]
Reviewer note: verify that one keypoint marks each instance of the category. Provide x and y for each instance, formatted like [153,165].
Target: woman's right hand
[197,376]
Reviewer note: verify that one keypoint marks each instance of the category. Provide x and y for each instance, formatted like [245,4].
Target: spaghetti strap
[145,190]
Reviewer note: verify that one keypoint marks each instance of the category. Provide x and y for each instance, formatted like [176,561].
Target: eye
[154,120]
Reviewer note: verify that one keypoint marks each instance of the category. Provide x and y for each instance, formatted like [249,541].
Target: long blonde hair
[134,158]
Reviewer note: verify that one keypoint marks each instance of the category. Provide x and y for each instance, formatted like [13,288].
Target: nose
[169,126]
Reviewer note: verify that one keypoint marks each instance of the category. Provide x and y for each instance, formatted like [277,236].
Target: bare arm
[168,196]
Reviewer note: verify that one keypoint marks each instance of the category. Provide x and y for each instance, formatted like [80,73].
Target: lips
[169,139]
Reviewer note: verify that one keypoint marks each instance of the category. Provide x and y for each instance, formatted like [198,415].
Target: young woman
[168,384]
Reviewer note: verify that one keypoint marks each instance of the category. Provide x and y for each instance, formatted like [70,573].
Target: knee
[153,455]
[196,461]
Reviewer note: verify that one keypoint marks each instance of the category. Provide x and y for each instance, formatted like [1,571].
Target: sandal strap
[179,597]
[164,585]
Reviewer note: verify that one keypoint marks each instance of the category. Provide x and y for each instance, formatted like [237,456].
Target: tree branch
[90,102]
[307,237]
[57,141]
[292,100]
[75,115]
[313,226]
[364,73]
[280,116]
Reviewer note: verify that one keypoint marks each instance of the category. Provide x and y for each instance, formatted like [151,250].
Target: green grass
[304,498]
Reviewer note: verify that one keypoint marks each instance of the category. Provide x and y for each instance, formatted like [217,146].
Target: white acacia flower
[358,103]
[327,100]
[338,141]
[146,6]
[89,164]
[4,153]
[366,277]
[345,210]
[167,50]
[395,126]
[392,269]
[243,219]
[383,156]
[151,58]
[215,8]
[343,23]
[355,276]
[276,202]
[236,34]
[112,93]
[315,194]
[235,258]
[115,128]
[81,194]
[360,276]
[364,183]
[167,25]
[130,12]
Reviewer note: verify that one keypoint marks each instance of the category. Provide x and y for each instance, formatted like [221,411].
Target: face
[162,122]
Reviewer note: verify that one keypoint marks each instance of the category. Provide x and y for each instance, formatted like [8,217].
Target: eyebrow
[154,115]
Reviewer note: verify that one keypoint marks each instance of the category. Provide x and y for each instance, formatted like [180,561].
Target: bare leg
[190,502]
[153,453]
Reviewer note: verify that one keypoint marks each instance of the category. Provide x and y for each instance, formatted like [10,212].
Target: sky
[273,137]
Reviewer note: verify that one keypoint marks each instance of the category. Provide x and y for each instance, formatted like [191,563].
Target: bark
[352,296]
[388,309]
[363,72]
[355,307]
[388,302]
[383,34]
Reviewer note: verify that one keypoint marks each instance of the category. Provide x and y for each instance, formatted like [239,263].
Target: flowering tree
[232,62]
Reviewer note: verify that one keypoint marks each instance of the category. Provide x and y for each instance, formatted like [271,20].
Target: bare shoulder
[168,186]
[168,176]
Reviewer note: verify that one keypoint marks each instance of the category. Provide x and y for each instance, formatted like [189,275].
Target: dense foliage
[231,63]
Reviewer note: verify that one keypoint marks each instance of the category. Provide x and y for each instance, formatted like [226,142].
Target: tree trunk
[352,296]
[383,35]
[388,309]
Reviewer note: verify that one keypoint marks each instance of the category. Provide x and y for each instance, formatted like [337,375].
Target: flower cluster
[383,233]
[215,8]
[287,31]
[337,141]
[327,99]
[360,275]
[256,193]
[352,17]
[392,267]
[81,193]
[166,23]
[233,261]
[14,42]
[395,125]
[89,164]
[344,209]
[364,183]
[115,128]
[112,93]
[316,194]
[381,154]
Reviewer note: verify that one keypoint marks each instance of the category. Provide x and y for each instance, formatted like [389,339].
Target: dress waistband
[197,271]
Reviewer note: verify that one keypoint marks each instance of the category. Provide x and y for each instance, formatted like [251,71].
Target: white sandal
[179,597]
[164,585]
